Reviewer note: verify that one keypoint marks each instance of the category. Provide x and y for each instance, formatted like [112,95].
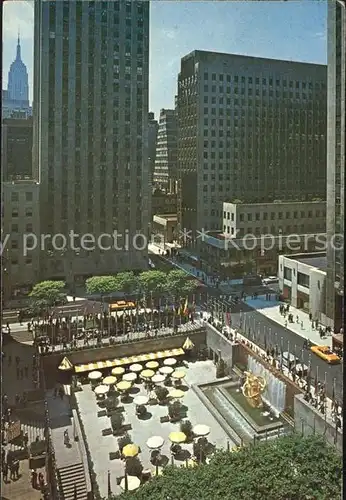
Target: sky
[291,30]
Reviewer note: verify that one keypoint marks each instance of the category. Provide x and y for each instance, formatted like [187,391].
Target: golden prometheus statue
[253,388]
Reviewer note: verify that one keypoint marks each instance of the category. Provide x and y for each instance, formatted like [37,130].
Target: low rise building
[164,228]
[20,220]
[163,203]
[302,281]
[295,217]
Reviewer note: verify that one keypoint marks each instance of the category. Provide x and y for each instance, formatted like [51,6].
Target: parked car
[324,352]
[270,280]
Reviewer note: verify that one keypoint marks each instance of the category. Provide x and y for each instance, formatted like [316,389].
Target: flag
[186,308]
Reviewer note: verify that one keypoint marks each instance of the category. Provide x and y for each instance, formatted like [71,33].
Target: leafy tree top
[179,284]
[152,281]
[102,284]
[48,292]
[291,467]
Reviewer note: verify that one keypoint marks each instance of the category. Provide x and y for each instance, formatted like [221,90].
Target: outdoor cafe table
[133,482]
[152,365]
[136,367]
[130,377]
[101,389]
[158,378]
[170,362]
[166,370]
[141,400]
[118,370]
[95,375]
[201,430]
[110,380]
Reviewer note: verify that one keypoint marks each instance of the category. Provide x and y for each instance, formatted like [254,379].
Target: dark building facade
[166,151]
[336,162]
[249,129]
[91,129]
[17,149]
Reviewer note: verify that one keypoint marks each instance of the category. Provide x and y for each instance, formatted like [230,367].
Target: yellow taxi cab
[122,305]
[324,352]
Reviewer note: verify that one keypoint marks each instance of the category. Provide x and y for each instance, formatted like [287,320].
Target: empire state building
[18,86]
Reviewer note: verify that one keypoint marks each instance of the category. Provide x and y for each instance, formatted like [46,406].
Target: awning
[140,358]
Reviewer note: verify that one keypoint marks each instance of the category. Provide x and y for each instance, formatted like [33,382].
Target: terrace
[103,448]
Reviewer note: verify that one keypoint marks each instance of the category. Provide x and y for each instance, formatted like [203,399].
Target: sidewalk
[270,309]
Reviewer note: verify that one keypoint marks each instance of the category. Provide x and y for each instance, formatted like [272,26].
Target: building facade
[336,139]
[16,148]
[152,140]
[274,218]
[251,128]
[302,281]
[20,219]
[166,152]
[91,131]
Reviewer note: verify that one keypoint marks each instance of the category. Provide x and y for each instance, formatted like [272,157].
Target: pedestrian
[301,325]
[310,316]
[5,471]
[286,323]
[16,469]
[297,318]
[34,478]
[55,392]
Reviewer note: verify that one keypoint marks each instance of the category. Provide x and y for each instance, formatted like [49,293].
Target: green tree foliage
[48,293]
[179,284]
[291,467]
[127,282]
[102,285]
[152,281]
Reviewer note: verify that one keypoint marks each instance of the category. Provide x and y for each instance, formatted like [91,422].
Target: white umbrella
[201,430]
[101,389]
[133,482]
[170,362]
[301,367]
[141,400]
[157,379]
[95,375]
[110,380]
[290,357]
[136,367]
[155,442]
[178,374]
[166,370]
[130,377]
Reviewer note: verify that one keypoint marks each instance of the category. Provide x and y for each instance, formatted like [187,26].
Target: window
[288,215]
[241,217]
[258,216]
[14,197]
[28,228]
[302,215]
[272,216]
[303,280]
[287,273]
[14,244]
[265,215]
[249,217]
[28,260]
[14,228]
[280,215]
[28,212]
[14,213]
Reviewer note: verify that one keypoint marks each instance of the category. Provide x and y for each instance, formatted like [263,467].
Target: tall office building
[166,151]
[16,151]
[91,129]
[152,139]
[249,129]
[336,162]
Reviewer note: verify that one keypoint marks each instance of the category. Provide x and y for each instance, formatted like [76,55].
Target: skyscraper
[336,162]
[15,100]
[249,129]
[166,151]
[90,129]
[18,86]
[152,140]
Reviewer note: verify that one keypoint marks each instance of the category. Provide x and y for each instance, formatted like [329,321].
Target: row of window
[243,91]
[265,81]
[15,196]
[28,260]
[275,215]
[274,230]
[28,213]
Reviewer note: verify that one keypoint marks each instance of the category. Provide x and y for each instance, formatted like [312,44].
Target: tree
[289,467]
[152,281]
[48,293]
[179,284]
[102,284]
[127,282]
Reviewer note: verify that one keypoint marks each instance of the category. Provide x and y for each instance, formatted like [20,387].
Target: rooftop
[314,260]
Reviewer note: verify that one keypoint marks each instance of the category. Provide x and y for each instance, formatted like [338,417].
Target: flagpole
[173,312]
[160,312]
[167,312]
[151,313]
